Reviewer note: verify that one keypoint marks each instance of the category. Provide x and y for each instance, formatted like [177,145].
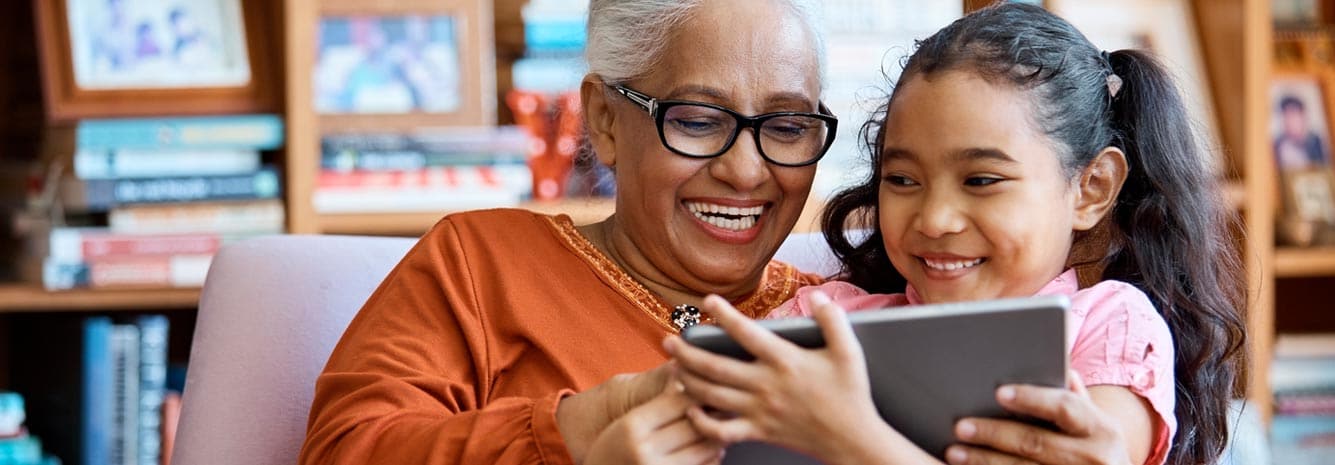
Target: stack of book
[17,446]
[156,197]
[430,170]
[99,394]
[1302,376]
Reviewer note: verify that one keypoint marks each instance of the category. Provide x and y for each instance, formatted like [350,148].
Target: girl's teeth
[951,265]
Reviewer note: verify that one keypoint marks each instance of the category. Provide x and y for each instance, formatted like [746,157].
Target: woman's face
[710,225]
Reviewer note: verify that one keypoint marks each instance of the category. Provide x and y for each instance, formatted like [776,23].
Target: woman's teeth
[951,265]
[725,217]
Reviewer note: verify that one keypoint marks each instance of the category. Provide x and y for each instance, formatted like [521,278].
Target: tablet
[929,365]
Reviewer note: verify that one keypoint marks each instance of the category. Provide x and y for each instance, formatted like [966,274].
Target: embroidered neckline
[779,282]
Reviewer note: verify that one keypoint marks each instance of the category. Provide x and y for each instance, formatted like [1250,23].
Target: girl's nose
[939,215]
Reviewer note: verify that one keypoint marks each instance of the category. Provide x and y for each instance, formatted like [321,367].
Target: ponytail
[1182,255]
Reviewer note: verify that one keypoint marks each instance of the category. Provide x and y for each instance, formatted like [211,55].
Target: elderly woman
[497,338]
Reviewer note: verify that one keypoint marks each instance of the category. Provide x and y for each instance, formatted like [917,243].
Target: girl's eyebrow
[983,153]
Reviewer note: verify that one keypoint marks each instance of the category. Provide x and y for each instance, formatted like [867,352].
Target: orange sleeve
[409,381]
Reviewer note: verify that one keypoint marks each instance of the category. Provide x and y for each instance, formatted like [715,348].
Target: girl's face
[974,203]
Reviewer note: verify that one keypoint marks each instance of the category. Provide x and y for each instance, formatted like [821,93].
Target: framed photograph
[106,58]
[387,65]
[397,65]
[1300,135]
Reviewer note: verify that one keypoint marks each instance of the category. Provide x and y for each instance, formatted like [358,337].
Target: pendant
[685,316]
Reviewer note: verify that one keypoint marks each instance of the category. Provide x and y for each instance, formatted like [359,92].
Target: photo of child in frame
[1300,135]
[387,65]
[152,44]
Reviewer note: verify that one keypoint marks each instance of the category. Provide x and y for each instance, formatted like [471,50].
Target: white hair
[626,38]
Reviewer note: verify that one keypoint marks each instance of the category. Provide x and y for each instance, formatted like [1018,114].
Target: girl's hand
[813,400]
[1088,434]
[582,417]
[656,432]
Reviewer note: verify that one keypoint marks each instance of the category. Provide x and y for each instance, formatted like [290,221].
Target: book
[104,194]
[432,189]
[152,163]
[152,385]
[171,415]
[135,271]
[83,244]
[125,392]
[260,132]
[244,217]
[98,393]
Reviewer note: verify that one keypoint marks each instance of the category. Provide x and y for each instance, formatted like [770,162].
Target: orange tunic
[462,354]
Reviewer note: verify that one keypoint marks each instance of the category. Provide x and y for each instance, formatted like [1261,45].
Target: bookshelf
[26,297]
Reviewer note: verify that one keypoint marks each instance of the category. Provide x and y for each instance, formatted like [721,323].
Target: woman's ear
[1099,185]
[598,118]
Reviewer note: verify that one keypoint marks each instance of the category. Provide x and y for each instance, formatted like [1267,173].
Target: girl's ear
[1099,185]
[598,118]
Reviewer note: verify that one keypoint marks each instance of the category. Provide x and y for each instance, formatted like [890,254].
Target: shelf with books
[1300,262]
[29,297]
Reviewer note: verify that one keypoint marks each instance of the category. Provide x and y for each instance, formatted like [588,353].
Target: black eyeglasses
[703,130]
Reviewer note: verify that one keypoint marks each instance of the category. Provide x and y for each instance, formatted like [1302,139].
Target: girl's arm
[1099,425]
[817,401]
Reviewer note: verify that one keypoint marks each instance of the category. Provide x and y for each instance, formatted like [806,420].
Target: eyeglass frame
[657,110]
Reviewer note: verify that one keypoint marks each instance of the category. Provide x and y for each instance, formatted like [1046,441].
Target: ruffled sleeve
[1123,341]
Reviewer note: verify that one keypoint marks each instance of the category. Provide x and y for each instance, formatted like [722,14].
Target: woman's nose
[741,166]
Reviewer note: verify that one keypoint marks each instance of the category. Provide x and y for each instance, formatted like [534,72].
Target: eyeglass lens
[703,131]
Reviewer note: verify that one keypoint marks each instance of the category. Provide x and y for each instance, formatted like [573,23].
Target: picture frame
[459,89]
[1300,134]
[108,58]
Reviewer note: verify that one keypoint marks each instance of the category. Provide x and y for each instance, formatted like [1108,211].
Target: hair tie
[1114,81]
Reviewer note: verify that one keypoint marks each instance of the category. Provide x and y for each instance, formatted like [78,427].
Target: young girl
[1014,159]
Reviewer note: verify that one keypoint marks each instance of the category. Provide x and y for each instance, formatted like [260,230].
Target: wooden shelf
[581,211]
[25,297]
[1304,262]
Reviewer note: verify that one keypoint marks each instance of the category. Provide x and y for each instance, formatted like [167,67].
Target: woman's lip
[729,236]
[740,203]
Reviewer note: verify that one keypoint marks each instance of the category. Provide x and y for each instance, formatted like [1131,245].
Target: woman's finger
[730,430]
[674,436]
[1071,412]
[834,326]
[717,368]
[719,396]
[760,342]
[658,412]
[1018,439]
[702,452]
[965,455]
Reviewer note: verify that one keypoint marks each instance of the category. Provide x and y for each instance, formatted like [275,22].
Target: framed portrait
[1300,145]
[106,58]
[401,64]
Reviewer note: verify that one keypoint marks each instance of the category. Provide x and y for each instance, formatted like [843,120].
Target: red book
[171,414]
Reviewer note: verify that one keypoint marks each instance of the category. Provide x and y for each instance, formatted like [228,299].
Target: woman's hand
[656,432]
[1087,433]
[582,417]
[817,401]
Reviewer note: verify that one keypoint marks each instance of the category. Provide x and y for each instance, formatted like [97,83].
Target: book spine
[409,160]
[125,353]
[152,385]
[98,396]
[80,244]
[171,414]
[103,194]
[255,217]
[461,178]
[260,132]
[188,270]
[129,163]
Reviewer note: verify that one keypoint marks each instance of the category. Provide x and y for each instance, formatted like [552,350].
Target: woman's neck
[634,264]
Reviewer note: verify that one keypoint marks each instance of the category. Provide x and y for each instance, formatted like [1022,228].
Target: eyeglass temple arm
[642,100]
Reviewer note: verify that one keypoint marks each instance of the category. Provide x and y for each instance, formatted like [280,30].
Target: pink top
[1114,335]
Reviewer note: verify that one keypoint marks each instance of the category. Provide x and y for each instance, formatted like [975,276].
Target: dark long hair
[1171,231]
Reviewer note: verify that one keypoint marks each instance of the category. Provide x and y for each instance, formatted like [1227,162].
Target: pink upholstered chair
[271,311]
